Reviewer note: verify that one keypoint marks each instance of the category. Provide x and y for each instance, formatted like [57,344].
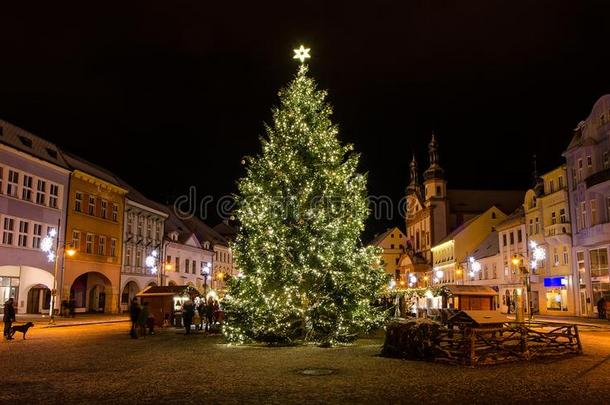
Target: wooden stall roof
[480,317]
[159,291]
[478,290]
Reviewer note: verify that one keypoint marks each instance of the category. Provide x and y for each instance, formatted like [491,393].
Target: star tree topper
[302,53]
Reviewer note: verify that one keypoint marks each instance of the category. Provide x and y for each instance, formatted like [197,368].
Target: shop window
[599,262]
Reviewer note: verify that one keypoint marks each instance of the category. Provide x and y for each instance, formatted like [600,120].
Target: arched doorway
[89,291]
[39,299]
[129,293]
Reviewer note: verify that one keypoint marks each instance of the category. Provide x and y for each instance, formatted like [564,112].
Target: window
[555,257]
[177,264]
[23,234]
[129,223]
[438,190]
[605,160]
[101,245]
[553,218]
[128,256]
[580,258]
[36,237]
[194,266]
[1,177]
[562,216]
[531,226]
[158,231]
[78,202]
[519,236]
[41,192]
[186,265]
[89,247]
[593,212]
[565,255]
[551,186]
[140,224]
[494,271]
[53,195]
[149,228]
[12,184]
[560,182]
[512,238]
[76,240]
[589,161]
[26,190]
[8,229]
[138,258]
[103,208]
[599,262]
[579,177]
[113,247]
[91,209]
[115,213]
[537,223]
[493,215]
[391,246]
[583,214]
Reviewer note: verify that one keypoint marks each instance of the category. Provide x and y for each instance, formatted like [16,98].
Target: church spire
[414,184]
[434,171]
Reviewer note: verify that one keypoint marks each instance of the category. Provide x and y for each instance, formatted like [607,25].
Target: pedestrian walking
[601,308]
[143,319]
[134,314]
[188,312]
[8,318]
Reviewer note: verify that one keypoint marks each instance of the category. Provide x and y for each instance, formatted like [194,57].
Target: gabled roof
[31,144]
[78,163]
[516,217]
[175,224]
[379,238]
[489,247]
[204,232]
[457,230]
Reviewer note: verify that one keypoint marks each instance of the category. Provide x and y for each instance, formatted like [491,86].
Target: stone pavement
[79,319]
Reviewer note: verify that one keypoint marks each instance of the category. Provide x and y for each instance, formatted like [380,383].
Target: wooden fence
[513,342]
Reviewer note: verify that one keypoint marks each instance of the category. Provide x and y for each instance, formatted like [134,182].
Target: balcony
[597,179]
[559,233]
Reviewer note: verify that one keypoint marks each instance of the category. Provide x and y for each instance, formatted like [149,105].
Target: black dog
[21,328]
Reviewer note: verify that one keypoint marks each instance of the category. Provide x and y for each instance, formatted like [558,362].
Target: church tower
[435,195]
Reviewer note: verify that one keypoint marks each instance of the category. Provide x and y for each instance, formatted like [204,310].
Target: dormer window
[206,245]
[52,153]
[25,141]
[589,161]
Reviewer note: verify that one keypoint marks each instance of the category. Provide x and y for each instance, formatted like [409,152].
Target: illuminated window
[78,202]
[103,208]
[8,229]
[26,190]
[23,234]
[91,209]
[36,237]
[13,183]
[101,246]
[89,243]
[76,240]
[53,195]
[115,213]
[41,192]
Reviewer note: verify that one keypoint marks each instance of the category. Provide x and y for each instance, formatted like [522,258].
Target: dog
[20,328]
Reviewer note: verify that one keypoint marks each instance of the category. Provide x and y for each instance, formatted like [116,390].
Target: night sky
[172,94]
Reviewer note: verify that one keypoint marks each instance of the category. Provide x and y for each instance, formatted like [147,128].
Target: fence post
[524,346]
[578,339]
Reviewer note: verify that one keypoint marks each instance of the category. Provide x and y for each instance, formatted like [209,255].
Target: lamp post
[46,245]
[520,261]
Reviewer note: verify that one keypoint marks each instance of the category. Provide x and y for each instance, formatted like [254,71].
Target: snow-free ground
[101,364]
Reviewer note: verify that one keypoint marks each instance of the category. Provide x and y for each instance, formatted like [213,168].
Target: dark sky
[171,94]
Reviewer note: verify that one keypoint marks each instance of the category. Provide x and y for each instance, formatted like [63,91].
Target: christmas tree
[302,206]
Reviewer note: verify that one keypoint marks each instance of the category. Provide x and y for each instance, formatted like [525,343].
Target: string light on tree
[302,207]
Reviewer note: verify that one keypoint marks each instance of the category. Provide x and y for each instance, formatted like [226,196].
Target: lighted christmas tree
[301,207]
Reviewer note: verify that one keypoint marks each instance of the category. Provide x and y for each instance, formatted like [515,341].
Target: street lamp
[46,245]
[519,261]
[205,272]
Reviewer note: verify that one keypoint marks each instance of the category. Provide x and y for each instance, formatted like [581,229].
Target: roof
[517,216]
[471,290]
[204,232]
[489,247]
[78,163]
[479,201]
[31,144]
[480,317]
[457,230]
[227,230]
[379,238]
[135,195]
[175,224]
[166,290]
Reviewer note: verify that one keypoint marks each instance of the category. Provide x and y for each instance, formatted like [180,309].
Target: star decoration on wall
[302,53]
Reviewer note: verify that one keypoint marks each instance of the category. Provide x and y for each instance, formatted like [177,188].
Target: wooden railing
[513,342]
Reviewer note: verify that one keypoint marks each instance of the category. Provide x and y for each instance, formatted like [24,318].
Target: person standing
[201,312]
[188,312]
[601,308]
[8,318]
[142,319]
[209,312]
[134,314]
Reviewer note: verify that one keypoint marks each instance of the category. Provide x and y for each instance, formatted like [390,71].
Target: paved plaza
[99,363]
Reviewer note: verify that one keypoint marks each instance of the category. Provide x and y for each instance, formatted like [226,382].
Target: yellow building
[547,220]
[455,249]
[91,278]
[392,242]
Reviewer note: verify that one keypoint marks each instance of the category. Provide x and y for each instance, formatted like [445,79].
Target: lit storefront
[556,292]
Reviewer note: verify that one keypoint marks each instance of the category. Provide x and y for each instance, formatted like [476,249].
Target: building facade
[34,180]
[588,170]
[392,242]
[96,207]
[143,234]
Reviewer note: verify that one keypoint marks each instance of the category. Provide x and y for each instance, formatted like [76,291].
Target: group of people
[8,318]
[208,314]
[141,319]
